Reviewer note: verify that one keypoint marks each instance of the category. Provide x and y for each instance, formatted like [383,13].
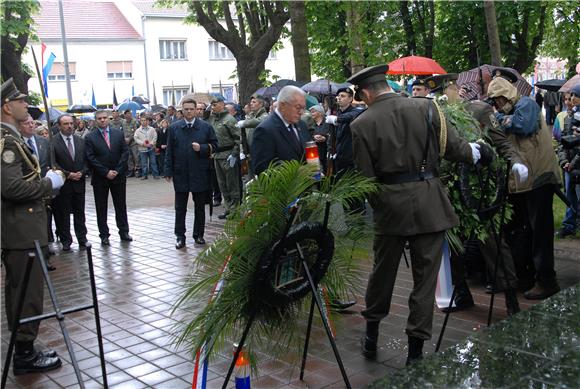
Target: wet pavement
[138,283]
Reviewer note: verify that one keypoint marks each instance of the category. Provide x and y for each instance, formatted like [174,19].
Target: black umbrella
[158,108]
[274,89]
[81,108]
[35,112]
[552,85]
[324,87]
[140,99]
[54,114]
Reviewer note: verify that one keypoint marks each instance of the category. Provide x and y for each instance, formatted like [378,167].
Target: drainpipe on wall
[145,53]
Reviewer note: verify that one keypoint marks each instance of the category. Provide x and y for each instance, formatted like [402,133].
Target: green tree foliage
[249,29]
[562,37]
[16,29]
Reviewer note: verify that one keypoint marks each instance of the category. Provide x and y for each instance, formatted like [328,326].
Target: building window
[172,49]
[180,91]
[119,69]
[218,51]
[226,90]
[57,71]
[272,54]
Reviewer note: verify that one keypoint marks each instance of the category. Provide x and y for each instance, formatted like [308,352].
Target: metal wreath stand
[310,285]
[58,313]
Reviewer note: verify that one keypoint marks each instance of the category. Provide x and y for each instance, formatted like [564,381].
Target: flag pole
[46,110]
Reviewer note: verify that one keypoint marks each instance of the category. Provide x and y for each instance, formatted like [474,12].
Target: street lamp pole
[65,55]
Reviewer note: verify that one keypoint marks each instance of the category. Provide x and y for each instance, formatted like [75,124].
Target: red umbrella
[415,65]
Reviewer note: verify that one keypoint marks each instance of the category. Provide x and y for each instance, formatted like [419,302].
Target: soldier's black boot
[27,360]
[463,298]
[415,350]
[511,302]
[369,341]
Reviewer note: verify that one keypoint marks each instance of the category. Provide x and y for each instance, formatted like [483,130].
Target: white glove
[56,178]
[242,155]
[331,119]
[521,172]
[231,160]
[240,124]
[475,152]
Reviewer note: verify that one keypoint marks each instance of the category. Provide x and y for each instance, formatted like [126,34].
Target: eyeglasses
[297,107]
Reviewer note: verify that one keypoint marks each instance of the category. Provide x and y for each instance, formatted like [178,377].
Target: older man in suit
[69,154]
[107,154]
[282,135]
[190,144]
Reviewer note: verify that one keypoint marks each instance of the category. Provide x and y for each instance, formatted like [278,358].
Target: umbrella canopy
[130,105]
[35,112]
[394,86]
[81,108]
[324,87]
[570,84]
[551,85]
[54,114]
[415,64]
[140,99]
[274,89]
[311,101]
[474,82]
[158,108]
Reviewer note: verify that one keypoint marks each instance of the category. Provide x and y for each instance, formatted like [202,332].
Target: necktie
[69,145]
[294,134]
[31,145]
[106,136]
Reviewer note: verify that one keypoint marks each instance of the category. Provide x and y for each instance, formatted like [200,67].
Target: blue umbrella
[54,114]
[130,105]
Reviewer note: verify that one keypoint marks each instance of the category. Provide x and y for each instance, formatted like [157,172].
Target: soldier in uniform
[24,194]
[399,141]
[491,130]
[226,155]
[130,125]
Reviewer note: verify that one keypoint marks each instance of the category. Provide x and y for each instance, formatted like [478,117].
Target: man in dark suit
[69,154]
[282,135]
[107,154]
[190,143]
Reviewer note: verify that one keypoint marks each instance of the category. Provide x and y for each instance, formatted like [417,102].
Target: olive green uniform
[252,120]
[129,128]
[388,141]
[228,177]
[23,220]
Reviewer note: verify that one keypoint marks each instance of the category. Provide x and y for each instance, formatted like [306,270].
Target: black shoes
[415,350]
[563,232]
[144,178]
[105,242]
[35,362]
[125,237]
[369,341]
[223,215]
[463,299]
[180,243]
[217,203]
[200,241]
[66,247]
[83,245]
[511,302]
[341,305]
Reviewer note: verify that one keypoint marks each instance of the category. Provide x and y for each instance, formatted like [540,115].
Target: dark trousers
[65,204]
[426,252]
[533,209]
[15,265]
[161,162]
[216,194]
[119,194]
[199,201]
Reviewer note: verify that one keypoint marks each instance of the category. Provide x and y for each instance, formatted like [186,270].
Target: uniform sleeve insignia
[8,156]
[493,121]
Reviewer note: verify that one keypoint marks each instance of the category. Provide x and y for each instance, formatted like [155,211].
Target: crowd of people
[211,151]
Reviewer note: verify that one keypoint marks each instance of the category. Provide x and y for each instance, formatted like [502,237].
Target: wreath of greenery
[214,318]
[472,189]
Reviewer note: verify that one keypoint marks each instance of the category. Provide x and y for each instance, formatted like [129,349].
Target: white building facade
[137,49]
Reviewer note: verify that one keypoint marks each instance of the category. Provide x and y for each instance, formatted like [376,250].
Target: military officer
[446,84]
[23,220]
[226,155]
[399,142]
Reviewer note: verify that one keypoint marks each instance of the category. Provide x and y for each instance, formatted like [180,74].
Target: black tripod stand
[315,301]
[58,313]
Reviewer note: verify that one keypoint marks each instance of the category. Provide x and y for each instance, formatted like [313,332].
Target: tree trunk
[492,33]
[408,26]
[357,56]
[299,39]
[249,69]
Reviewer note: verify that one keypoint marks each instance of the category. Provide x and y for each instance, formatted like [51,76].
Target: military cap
[10,92]
[439,82]
[506,73]
[369,76]
[217,99]
[345,90]
[419,82]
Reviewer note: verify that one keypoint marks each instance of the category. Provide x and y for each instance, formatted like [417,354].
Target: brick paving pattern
[137,286]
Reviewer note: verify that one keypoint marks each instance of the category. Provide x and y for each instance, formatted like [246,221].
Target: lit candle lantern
[311,150]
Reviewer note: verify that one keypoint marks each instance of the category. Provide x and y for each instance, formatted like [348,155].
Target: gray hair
[318,108]
[288,92]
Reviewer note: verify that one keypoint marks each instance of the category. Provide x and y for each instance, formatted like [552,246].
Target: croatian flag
[444,288]
[46,68]
[201,356]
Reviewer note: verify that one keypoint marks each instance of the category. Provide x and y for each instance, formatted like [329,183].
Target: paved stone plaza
[137,286]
